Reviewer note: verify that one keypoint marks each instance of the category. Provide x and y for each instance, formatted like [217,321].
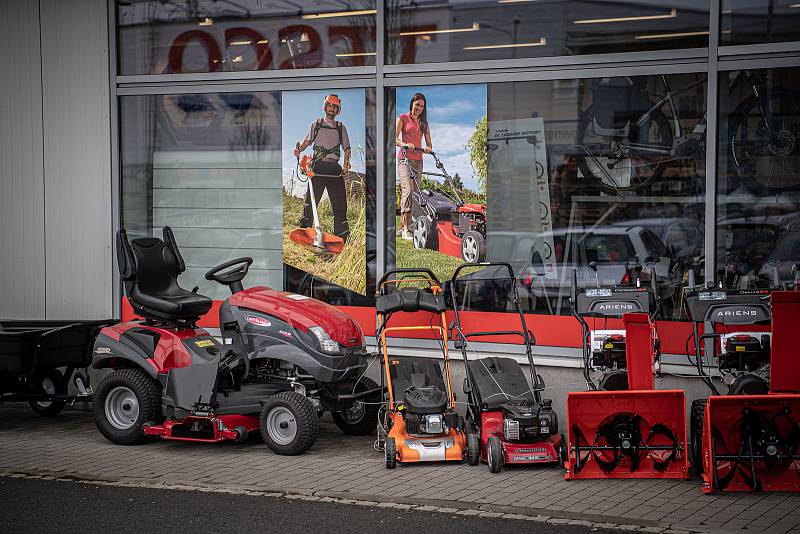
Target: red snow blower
[624,428]
[749,439]
[319,241]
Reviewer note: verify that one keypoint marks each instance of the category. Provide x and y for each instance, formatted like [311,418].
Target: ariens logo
[615,306]
[737,313]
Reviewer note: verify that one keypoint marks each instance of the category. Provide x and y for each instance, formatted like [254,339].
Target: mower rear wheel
[50,383]
[473,449]
[494,454]
[473,246]
[696,416]
[362,418]
[289,423]
[125,400]
[563,450]
[391,453]
[423,232]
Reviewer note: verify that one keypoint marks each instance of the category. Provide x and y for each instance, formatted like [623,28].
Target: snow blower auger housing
[751,442]
[421,423]
[514,424]
[632,431]
[283,360]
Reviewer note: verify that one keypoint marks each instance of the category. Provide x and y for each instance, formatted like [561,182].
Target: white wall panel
[77,158]
[22,250]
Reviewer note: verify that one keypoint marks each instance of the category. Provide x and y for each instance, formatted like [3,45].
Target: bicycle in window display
[625,141]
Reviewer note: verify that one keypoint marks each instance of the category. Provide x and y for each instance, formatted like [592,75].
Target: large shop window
[459,30]
[220,170]
[602,176]
[759,21]
[758,206]
[176,36]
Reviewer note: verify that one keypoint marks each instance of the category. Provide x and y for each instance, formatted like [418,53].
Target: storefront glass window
[758,205]
[461,30]
[220,170]
[604,176]
[174,36]
[759,21]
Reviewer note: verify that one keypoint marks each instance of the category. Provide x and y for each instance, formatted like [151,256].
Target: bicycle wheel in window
[765,141]
[629,163]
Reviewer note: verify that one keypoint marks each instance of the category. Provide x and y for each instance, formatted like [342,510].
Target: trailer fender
[110,353]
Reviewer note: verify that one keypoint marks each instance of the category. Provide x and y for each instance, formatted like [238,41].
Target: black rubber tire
[305,417]
[148,394]
[48,408]
[368,422]
[563,451]
[585,123]
[696,415]
[423,232]
[391,453]
[473,449]
[241,434]
[473,256]
[494,454]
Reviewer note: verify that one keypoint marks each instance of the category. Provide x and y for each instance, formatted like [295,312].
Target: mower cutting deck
[514,423]
[630,430]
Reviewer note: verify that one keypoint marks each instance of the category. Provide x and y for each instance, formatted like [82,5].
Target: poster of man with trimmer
[324,212]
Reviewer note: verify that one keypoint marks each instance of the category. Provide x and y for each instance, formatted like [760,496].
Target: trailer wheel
[362,418]
[289,423]
[50,383]
[473,449]
[125,400]
[473,247]
[391,453]
[696,416]
[494,454]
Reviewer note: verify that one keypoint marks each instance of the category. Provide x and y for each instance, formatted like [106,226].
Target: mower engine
[425,411]
[744,362]
[608,361]
[611,354]
[526,420]
[470,220]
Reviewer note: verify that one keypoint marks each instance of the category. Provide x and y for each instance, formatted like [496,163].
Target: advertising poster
[441,197]
[332,145]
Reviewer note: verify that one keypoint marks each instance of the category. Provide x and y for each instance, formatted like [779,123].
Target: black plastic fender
[107,349]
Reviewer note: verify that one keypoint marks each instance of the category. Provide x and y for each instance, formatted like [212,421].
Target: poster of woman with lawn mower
[324,211]
[441,158]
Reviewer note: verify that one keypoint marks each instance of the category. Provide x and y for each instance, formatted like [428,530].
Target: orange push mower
[319,241]
[421,423]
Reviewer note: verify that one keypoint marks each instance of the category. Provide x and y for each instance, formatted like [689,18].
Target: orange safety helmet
[333,99]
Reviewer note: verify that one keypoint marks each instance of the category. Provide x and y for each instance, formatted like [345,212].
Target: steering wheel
[232,276]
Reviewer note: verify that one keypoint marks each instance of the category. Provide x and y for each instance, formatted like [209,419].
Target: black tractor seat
[150,268]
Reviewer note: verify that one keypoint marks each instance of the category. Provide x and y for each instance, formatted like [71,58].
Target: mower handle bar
[409,270]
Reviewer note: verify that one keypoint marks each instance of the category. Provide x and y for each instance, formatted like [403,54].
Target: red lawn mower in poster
[283,360]
[623,427]
[514,423]
[749,438]
[444,222]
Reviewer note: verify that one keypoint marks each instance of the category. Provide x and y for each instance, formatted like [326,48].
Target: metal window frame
[712,60]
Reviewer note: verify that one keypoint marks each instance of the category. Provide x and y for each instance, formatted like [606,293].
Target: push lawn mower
[749,438]
[444,222]
[421,422]
[515,424]
[626,429]
[319,241]
[283,360]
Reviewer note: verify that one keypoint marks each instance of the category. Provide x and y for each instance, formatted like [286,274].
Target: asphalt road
[29,505]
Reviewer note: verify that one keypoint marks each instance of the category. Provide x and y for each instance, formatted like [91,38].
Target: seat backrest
[149,265]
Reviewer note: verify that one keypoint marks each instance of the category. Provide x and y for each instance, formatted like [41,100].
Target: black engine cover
[535,420]
[425,400]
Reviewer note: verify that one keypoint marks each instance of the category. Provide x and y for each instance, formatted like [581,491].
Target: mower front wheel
[289,423]
[473,246]
[391,453]
[494,454]
[125,400]
[473,449]
[696,416]
[362,418]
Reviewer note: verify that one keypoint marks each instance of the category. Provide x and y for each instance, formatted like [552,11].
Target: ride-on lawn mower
[421,423]
[749,439]
[446,223]
[515,425]
[626,429]
[284,359]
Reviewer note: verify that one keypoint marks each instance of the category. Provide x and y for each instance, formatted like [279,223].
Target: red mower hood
[472,208]
[301,312]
